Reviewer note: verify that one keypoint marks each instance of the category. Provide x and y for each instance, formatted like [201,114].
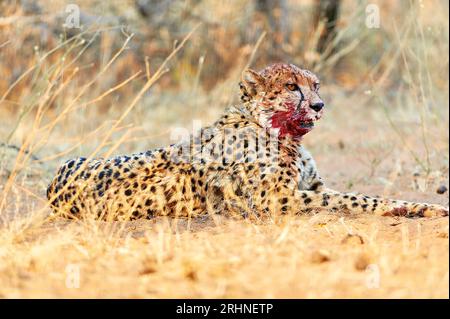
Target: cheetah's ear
[251,83]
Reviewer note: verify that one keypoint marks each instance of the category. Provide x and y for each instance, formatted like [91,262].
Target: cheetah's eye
[292,87]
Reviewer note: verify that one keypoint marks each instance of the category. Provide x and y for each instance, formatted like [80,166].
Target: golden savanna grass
[122,83]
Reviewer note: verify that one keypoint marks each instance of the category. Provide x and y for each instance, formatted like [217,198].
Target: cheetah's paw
[419,210]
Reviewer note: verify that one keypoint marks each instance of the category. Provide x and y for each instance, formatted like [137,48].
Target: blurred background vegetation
[399,69]
[328,36]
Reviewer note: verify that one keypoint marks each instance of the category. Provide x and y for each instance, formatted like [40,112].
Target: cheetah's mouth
[292,123]
[307,124]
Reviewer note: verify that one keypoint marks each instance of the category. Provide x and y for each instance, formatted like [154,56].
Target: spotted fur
[250,162]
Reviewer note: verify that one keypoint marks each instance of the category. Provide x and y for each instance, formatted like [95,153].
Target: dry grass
[308,257]
[385,132]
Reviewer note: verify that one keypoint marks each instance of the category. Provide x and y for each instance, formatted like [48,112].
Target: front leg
[312,194]
[358,203]
[296,201]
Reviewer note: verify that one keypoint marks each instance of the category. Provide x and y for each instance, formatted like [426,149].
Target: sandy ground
[322,255]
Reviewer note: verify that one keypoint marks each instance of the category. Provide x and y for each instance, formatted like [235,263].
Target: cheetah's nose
[317,106]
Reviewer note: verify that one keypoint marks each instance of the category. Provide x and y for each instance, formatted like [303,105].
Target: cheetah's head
[283,97]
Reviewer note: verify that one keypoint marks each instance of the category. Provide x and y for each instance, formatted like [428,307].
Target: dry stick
[53,124]
[114,146]
[255,48]
[388,70]
[251,58]
[396,130]
[133,139]
[428,74]
[41,111]
[30,192]
[162,133]
[39,63]
[161,70]
[147,68]
[23,113]
[314,40]
[109,91]
[50,126]
[44,57]
[332,60]
[62,70]
[422,119]
[28,139]
[77,144]
[201,61]
[22,152]
[15,19]
[396,55]
[424,99]
[5,44]
[29,150]
[333,44]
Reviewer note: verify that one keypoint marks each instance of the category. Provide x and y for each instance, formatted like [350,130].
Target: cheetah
[250,162]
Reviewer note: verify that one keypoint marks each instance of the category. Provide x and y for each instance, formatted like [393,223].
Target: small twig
[109,91]
[255,48]
[5,44]
[147,68]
